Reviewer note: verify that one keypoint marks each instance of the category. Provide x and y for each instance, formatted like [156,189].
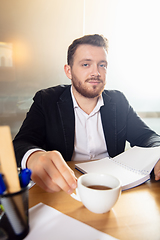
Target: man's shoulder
[113,95]
[53,92]
[116,98]
[56,89]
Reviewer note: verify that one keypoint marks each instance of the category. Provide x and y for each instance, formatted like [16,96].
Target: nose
[95,71]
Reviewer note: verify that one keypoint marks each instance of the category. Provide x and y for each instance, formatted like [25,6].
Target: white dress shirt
[89,143]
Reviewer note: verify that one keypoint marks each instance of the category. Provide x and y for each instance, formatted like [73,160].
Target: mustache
[93,79]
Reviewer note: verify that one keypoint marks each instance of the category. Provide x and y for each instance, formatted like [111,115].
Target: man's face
[88,73]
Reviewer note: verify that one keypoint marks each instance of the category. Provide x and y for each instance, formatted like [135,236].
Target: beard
[88,92]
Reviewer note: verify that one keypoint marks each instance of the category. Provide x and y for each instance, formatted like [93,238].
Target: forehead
[90,52]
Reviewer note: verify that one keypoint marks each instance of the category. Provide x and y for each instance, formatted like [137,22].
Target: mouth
[94,81]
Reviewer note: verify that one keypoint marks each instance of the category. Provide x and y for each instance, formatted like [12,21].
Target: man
[81,121]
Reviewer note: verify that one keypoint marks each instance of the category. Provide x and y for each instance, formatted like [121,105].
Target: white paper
[139,159]
[48,223]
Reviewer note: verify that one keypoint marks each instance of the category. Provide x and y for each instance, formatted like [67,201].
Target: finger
[57,177]
[64,169]
[43,185]
[157,176]
[157,171]
[44,181]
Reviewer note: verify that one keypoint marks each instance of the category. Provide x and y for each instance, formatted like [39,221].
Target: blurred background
[35,35]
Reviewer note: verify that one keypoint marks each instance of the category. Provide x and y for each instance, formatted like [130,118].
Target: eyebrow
[85,60]
[90,60]
[104,61]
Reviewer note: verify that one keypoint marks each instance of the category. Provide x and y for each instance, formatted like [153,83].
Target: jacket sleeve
[32,132]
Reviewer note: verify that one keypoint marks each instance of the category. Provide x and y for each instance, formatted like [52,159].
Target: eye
[102,65]
[85,64]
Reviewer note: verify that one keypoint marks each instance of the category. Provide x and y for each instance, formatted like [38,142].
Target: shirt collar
[75,104]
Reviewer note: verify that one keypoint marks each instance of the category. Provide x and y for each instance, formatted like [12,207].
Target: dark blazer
[50,124]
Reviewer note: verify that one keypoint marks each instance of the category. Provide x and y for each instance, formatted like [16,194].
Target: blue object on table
[25,177]
[2,184]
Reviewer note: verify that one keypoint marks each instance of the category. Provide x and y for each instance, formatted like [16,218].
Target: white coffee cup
[95,200]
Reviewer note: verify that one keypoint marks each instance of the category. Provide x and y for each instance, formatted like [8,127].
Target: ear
[67,70]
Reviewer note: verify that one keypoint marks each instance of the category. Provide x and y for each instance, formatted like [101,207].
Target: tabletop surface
[135,216]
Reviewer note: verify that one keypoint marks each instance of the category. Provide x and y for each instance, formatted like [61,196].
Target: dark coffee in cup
[99,187]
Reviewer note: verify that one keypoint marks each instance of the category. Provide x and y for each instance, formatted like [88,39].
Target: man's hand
[51,172]
[157,171]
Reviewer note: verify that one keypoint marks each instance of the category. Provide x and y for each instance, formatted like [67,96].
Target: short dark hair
[95,40]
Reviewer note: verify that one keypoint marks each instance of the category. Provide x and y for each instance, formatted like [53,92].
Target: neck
[86,104]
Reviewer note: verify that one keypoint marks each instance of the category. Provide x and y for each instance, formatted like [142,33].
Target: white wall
[132,27]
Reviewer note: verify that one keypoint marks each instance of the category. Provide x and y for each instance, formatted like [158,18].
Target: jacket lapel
[108,115]
[65,106]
